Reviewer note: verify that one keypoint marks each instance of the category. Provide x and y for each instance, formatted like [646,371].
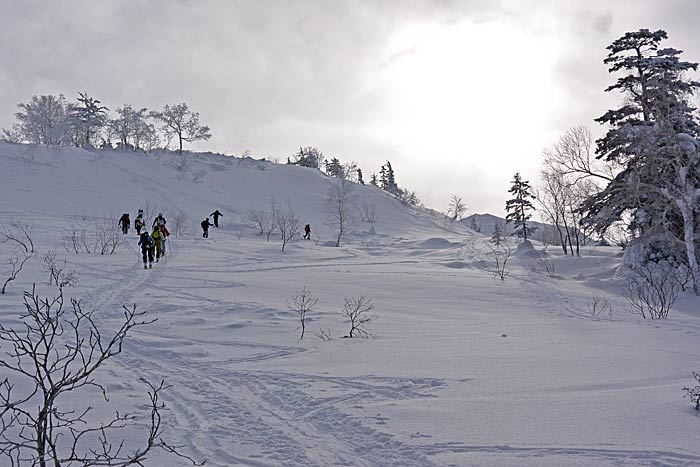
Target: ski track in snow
[236,416]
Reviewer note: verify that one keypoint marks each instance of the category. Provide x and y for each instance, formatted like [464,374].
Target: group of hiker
[153,244]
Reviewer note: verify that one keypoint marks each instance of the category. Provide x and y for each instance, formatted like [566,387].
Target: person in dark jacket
[205,227]
[148,248]
[125,223]
[307,232]
[216,214]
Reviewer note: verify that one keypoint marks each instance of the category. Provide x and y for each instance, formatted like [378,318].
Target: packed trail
[460,368]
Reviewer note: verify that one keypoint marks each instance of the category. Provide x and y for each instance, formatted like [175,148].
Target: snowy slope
[462,370]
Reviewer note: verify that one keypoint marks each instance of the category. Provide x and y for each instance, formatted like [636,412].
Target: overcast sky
[458,95]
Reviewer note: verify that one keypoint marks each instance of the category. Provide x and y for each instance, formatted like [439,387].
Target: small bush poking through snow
[359,312]
[694,393]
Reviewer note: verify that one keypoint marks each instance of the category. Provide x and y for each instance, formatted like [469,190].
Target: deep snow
[462,370]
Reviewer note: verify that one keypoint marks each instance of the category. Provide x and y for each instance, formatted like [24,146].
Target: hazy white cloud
[448,90]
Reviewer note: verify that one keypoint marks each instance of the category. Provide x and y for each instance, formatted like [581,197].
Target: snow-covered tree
[387,179]
[457,208]
[308,156]
[132,127]
[518,206]
[180,122]
[334,168]
[43,120]
[654,137]
[86,119]
[373,180]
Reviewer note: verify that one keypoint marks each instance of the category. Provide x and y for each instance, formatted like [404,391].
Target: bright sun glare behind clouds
[477,94]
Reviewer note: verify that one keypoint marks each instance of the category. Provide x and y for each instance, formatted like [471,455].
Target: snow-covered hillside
[462,369]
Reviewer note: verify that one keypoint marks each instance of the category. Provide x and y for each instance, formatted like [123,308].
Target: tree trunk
[689,237]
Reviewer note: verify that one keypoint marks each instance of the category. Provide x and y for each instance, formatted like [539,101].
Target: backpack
[205,224]
[138,222]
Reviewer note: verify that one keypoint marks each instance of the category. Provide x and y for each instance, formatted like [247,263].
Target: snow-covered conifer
[86,119]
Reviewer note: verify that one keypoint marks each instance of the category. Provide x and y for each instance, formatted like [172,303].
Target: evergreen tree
[518,206]
[653,136]
[86,119]
[498,234]
[309,157]
[373,180]
[334,168]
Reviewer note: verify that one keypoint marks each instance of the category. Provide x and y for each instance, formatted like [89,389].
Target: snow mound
[437,244]
[456,265]
[527,250]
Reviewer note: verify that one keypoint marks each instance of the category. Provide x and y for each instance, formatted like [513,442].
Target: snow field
[462,370]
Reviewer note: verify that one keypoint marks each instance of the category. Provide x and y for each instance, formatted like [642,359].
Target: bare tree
[457,208]
[651,290]
[56,268]
[16,262]
[340,201]
[500,256]
[181,223]
[182,123]
[359,312]
[573,156]
[302,303]
[694,393]
[598,306]
[57,351]
[368,212]
[287,223]
[260,220]
[20,233]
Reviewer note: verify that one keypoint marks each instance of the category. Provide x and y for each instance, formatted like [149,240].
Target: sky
[457,94]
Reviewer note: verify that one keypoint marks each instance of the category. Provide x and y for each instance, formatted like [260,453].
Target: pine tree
[334,168]
[518,206]
[86,119]
[373,180]
[654,137]
[498,234]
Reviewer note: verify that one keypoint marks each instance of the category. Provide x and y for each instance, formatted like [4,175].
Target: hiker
[165,234]
[216,215]
[148,246]
[157,236]
[205,227]
[138,222]
[159,220]
[307,232]
[125,223]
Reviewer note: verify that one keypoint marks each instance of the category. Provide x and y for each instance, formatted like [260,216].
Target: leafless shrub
[19,232]
[694,393]
[457,208]
[15,262]
[288,224]
[359,312]
[599,306]
[181,223]
[56,268]
[651,290]
[302,303]
[107,237]
[368,212]
[58,351]
[500,256]
[260,220]
[324,334]
[103,239]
